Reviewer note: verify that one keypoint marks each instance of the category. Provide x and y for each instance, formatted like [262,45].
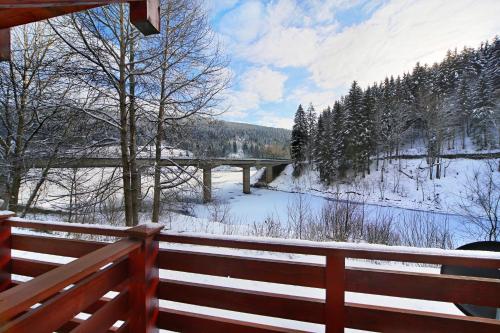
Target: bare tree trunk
[129,220]
[134,174]
[161,119]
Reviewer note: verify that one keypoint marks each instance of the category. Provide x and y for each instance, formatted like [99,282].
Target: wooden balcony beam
[29,4]
[144,15]
[4,44]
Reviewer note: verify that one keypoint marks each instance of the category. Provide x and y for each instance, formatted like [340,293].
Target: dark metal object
[469,309]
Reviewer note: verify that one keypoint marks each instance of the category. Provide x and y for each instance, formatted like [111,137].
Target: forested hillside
[221,138]
[449,106]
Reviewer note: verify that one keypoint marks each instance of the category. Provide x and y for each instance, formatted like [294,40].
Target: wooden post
[5,251]
[335,294]
[145,15]
[144,279]
[4,44]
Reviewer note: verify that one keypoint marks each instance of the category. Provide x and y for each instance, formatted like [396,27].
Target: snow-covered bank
[406,185]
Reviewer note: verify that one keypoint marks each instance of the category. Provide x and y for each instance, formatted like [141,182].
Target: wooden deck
[129,266]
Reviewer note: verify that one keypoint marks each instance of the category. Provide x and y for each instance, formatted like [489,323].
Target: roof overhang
[144,15]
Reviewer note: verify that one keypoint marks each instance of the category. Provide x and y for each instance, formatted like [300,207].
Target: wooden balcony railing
[143,302]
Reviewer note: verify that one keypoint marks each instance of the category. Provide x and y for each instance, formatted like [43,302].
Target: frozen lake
[263,203]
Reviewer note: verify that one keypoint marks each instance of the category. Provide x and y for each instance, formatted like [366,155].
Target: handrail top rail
[95,229]
[350,250]
[21,297]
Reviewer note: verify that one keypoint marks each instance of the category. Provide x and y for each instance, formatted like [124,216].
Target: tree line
[443,106]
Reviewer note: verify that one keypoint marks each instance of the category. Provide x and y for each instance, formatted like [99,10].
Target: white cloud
[237,103]
[284,47]
[400,34]
[243,24]
[266,83]
[257,85]
[281,33]
[216,6]
[319,98]
[276,121]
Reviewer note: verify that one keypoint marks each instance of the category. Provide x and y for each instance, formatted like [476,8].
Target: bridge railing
[208,284]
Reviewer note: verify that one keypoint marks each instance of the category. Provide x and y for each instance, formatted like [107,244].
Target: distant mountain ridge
[219,138]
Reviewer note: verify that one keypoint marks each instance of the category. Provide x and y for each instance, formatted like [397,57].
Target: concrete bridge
[272,167]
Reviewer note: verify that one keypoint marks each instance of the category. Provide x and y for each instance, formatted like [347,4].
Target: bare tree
[34,98]
[481,203]
[102,44]
[189,73]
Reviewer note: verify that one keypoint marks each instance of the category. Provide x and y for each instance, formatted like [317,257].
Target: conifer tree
[338,165]
[464,109]
[366,131]
[483,113]
[321,157]
[354,126]
[311,132]
[299,140]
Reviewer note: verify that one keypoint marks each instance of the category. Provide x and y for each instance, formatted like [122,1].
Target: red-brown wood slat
[267,270]
[373,281]
[54,245]
[392,320]
[5,256]
[144,279]
[255,302]
[96,306]
[75,322]
[371,254]
[144,14]
[17,16]
[335,294]
[62,308]
[16,300]
[31,267]
[106,316]
[187,322]
[436,287]
[92,229]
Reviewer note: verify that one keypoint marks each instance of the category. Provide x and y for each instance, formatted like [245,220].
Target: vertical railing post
[335,294]
[5,251]
[144,279]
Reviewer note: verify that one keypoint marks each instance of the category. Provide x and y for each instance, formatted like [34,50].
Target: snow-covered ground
[409,188]
[236,213]
[435,200]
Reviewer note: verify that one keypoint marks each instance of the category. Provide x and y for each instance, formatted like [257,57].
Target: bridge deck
[145,162]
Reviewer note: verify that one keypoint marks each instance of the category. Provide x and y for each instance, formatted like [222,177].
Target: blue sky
[286,52]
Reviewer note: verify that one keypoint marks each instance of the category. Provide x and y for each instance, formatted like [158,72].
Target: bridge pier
[207,184]
[269,174]
[246,179]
